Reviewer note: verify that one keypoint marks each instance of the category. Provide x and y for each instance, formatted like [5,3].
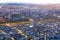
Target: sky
[32,1]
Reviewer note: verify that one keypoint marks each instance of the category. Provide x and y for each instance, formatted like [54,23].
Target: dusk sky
[32,1]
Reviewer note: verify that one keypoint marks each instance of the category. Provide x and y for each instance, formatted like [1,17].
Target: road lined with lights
[19,30]
[5,34]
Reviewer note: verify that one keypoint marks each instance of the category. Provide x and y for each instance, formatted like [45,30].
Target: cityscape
[29,21]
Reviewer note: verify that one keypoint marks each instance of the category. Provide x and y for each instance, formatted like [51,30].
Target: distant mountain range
[56,6]
[26,4]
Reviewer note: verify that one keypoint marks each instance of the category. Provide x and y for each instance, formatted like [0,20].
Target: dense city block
[29,22]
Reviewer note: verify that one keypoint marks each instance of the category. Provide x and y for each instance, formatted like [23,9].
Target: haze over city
[32,1]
